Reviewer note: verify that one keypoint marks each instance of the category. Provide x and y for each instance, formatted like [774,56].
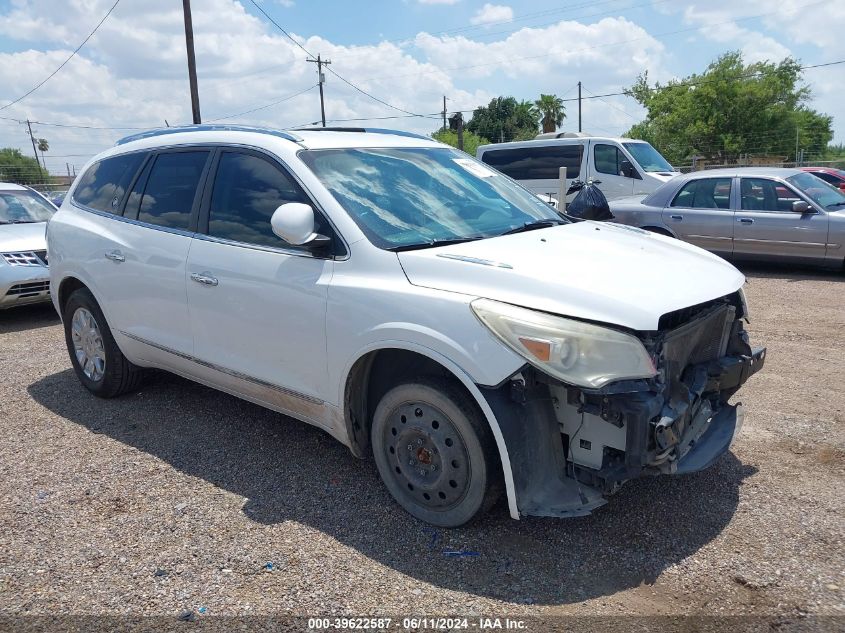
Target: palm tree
[551,110]
[43,145]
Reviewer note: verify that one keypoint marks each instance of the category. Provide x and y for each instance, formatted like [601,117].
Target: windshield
[402,197]
[821,192]
[648,157]
[21,207]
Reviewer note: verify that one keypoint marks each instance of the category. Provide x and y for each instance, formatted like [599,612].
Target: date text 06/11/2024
[417,624]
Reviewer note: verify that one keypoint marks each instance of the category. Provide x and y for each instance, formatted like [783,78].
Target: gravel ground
[180,498]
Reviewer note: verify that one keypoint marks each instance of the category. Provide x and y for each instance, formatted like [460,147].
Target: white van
[625,167]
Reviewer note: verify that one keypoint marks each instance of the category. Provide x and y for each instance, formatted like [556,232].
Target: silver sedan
[764,214]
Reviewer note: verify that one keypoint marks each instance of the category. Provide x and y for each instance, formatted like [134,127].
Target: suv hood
[22,237]
[596,271]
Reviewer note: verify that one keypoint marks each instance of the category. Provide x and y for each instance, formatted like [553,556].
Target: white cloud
[492,13]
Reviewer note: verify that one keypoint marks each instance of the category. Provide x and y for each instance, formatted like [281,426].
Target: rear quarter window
[104,183]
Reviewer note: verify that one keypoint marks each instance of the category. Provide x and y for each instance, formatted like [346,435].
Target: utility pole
[68,170]
[32,138]
[444,112]
[192,62]
[797,130]
[321,78]
[579,106]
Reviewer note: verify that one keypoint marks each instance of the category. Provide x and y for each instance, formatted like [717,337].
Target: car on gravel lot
[24,277]
[410,301]
[747,213]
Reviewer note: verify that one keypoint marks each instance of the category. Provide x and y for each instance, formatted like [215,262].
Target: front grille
[703,339]
[26,258]
[29,289]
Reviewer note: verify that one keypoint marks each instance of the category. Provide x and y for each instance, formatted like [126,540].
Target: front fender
[472,388]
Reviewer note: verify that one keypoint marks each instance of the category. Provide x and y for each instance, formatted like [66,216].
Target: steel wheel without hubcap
[88,344]
[427,455]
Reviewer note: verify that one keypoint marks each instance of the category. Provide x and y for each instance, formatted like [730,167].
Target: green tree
[732,108]
[20,169]
[43,145]
[450,137]
[552,112]
[505,119]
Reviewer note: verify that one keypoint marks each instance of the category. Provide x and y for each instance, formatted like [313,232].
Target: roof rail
[208,128]
[369,130]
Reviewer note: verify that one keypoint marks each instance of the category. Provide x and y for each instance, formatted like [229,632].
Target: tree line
[729,110]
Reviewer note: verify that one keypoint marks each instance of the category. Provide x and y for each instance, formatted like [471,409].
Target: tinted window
[608,159]
[759,194]
[705,193]
[247,190]
[103,185]
[171,188]
[542,162]
[832,179]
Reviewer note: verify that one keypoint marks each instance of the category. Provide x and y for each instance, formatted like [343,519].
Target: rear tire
[435,452]
[98,362]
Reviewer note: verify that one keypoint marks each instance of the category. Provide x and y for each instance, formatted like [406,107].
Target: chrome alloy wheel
[88,344]
[427,455]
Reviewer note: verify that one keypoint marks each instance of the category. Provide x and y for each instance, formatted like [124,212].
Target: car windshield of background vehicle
[23,207]
[821,192]
[418,196]
[648,157]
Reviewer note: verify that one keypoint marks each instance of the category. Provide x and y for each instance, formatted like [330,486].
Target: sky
[389,58]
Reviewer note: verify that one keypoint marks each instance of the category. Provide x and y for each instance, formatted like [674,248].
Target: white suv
[410,301]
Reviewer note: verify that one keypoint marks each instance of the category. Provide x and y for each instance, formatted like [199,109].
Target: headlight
[577,353]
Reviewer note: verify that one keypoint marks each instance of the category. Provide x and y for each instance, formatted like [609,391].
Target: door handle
[204,278]
[745,220]
[677,217]
[115,256]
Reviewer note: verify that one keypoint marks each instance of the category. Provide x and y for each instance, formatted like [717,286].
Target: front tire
[98,362]
[435,452]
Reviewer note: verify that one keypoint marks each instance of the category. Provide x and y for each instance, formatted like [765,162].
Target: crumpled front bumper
[679,422]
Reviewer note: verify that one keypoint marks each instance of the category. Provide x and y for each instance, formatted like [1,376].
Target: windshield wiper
[431,244]
[534,224]
[836,204]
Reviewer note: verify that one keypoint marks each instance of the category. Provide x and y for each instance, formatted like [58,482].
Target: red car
[835,177]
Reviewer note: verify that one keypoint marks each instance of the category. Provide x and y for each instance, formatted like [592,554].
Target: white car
[24,277]
[416,305]
[620,167]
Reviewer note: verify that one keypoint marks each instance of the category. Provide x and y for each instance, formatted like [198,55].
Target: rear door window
[171,189]
[705,193]
[542,162]
[247,190]
[103,185]
[761,194]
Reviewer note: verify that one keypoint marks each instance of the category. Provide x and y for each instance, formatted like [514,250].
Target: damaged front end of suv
[574,436]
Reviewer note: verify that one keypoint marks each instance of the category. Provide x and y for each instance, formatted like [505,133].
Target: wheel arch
[379,368]
[67,287]
[660,230]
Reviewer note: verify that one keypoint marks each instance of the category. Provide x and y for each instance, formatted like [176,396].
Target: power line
[62,65]
[346,81]
[608,45]
[264,107]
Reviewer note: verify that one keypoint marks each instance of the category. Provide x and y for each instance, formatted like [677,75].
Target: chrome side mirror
[294,222]
[800,206]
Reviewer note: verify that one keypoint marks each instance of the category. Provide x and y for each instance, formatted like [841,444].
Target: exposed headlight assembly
[576,353]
